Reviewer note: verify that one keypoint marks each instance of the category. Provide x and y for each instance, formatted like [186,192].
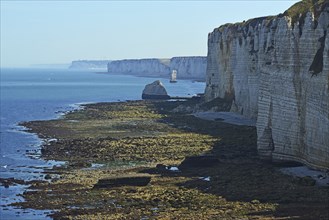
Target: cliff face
[140,66]
[187,67]
[276,70]
[193,67]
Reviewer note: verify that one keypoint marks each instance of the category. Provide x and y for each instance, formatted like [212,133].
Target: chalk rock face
[276,70]
[155,90]
[140,66]
[187,67]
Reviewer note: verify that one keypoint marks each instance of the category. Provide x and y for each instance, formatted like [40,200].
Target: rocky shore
[142,160]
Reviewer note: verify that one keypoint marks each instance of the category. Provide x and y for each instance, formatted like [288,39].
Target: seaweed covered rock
[199,161]
[130,180]
[155,90]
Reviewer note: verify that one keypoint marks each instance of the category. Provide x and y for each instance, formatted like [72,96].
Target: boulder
[155,90]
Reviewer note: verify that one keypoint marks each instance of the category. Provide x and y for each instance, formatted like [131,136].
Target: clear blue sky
[50,32]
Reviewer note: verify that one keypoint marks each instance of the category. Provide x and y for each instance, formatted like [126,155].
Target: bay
[43,94]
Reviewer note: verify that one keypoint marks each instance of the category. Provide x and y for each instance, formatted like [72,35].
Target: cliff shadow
[240,175]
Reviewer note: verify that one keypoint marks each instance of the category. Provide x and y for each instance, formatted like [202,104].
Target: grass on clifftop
[300,9]
[297,12]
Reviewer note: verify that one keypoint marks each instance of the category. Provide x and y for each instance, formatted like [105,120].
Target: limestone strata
[276,70]
[187,67]
[140,66]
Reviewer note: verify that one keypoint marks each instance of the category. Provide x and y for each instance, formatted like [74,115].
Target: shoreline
[138,123]
[16,179]
[13,165]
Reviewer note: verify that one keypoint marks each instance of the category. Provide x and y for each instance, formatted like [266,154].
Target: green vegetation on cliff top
[300,9]
[296,12]
[304,7]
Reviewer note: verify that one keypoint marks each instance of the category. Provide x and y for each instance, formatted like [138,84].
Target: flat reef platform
[147,141]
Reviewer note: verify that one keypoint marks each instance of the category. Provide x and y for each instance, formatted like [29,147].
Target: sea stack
[155,90]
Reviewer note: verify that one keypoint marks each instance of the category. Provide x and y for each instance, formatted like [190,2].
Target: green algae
[240,187]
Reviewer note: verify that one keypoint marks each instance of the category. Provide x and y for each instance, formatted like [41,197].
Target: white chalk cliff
[140,66]
[276,70]
[192,67]
[187,67]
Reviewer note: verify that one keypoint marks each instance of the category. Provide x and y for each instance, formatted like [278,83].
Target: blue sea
[42,94]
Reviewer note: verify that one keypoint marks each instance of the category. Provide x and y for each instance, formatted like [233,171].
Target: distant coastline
[161,76]
[189,67]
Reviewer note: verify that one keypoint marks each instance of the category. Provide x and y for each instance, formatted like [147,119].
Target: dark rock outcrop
[199,161]
[155,90]
[135,180]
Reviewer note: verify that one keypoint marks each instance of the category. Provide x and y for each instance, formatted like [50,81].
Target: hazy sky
[50,32]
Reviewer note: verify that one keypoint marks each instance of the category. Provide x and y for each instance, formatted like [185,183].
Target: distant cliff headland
[89,64]
[193,67]
[276,70]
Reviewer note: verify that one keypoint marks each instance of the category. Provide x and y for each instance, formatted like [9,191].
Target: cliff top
[300,9]
[297,12]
